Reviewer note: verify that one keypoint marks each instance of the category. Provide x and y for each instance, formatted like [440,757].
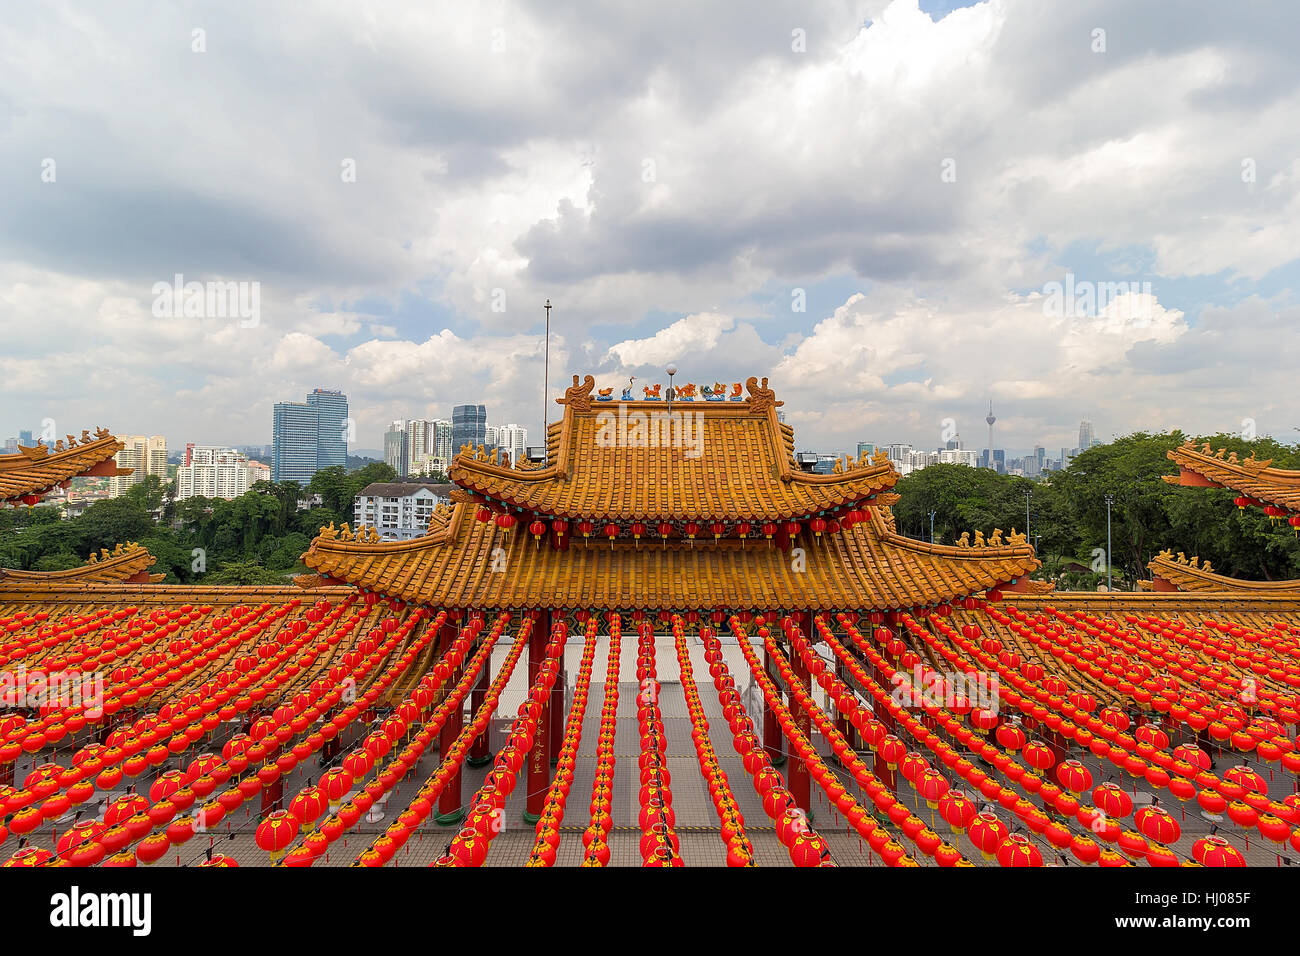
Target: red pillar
[772,738]
[450,809]
[799,780]
[273,796]
[480,751]
[538,778]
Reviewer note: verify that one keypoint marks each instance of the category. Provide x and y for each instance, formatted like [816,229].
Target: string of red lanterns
[275,734]
[740,852]
[359,763]
[659,844]
[548,825]
[595,838]
[383,847]
[470,846]
[1151,747]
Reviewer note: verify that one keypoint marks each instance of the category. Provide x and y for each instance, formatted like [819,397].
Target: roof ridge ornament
[578,396]
[761,398]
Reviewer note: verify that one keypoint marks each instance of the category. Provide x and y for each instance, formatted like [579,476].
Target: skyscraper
[468,426]
[395,448]
[331,426]
[308,436]
[1085,435]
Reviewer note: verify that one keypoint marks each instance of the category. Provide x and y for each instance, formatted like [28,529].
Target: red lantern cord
[659,844]
[548,826]
[595,839]
[470,846]
[740,852]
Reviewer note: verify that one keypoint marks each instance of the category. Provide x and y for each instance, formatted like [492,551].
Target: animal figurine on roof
[604,394]
[735,392]
[651,393]
[627,392]
[687,392]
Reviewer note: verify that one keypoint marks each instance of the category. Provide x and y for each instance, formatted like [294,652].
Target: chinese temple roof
[36,471]
[128,563]
[1201,466]
[458,564]
[1180,573]
[707,460]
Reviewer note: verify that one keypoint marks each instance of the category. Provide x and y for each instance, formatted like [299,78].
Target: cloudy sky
[867,202]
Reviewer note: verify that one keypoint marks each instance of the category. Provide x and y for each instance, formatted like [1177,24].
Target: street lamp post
[932,514]
[1110,500]
[1027,494]
[671,370]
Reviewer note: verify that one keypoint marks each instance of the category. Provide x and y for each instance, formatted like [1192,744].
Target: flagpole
[546,379]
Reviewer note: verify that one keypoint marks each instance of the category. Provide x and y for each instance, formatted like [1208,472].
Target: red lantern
[1216,851]
[276,832]
[505,522]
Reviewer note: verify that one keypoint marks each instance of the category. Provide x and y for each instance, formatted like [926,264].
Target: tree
[58,561]
[338,489]
[964,499]
[244,573]
[149,493]
[111,522]
[287,495]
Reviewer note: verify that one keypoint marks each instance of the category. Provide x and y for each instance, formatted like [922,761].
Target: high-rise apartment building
[211,472]
[146,456]
[442,444]
[512,439]
[418,446]
[1085,436]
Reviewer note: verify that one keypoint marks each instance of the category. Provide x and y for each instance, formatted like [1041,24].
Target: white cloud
[630,161]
